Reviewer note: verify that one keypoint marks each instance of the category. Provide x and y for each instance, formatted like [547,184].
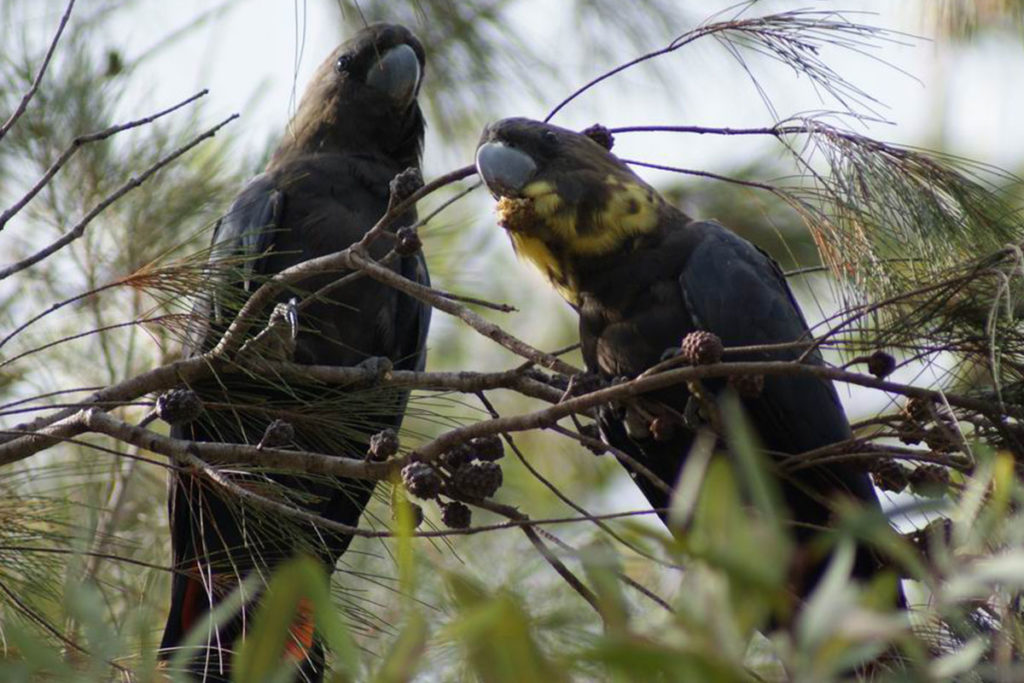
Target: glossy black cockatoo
[357,127]
[642,275]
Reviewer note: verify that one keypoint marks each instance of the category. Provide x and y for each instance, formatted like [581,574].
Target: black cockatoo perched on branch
[642,276]
[357,128]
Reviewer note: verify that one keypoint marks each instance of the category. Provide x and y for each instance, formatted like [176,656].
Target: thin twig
[516,516]
[774,189]
[72,337]
[501,308]
[79,229]
[671,47]
[574,582]
[626,459]
[81,141]
[31,92]
[86,553]
[478,323]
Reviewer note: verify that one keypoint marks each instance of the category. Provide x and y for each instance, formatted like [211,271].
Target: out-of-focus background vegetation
[83,539]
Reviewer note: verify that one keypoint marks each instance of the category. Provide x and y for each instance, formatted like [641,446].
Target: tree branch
[31,92]
[81,141]
[79,229]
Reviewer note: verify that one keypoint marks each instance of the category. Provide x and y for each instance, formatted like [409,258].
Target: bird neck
[321,125]
[570,258]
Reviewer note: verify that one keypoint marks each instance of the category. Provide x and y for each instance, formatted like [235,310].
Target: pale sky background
[270,47]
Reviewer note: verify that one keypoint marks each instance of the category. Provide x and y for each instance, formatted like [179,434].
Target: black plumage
[642,275]
[357,127]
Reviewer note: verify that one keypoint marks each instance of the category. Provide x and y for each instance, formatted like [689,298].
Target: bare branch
[26,439]
[230,453]
[31,92]
[79,229]
[354,258]
[45,431]
[546,418]
[23,440]
[81,141]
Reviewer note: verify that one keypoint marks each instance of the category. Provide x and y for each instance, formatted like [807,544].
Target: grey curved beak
[505,170]
[396,73]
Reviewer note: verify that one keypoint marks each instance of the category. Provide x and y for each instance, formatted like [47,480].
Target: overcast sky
[268,48]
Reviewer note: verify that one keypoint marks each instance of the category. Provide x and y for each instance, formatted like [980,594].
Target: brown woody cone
[889,475]
[456,515]
[421,480]
[929,480]
[701,348]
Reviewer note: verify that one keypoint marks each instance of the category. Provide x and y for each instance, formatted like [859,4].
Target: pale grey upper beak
[397,73]
[505,170]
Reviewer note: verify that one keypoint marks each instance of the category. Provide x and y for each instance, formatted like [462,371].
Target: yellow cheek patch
[546,201]
[551,217]
[631,210]
[538,188]
[547,205]
[541,225]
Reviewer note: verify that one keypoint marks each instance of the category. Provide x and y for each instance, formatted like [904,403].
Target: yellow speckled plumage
[631,211]
[553,239]
[536,251]
[538,188]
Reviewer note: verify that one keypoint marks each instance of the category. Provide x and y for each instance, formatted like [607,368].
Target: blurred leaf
[965,19]
[727,537]
[759,483]
[496,633]
[602,567]
[298,588]
[404,658]
[639,660]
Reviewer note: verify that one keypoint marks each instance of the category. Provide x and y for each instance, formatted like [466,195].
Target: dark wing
[738,292]
[735,290]
[243,234]
[413,316]
[725,285]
